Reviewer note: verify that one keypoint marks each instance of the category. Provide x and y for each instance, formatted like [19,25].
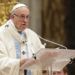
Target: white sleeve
[8,65]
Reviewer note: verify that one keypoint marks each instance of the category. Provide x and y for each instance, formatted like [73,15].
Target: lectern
[53,59]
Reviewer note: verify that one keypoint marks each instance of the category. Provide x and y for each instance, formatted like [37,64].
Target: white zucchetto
[18,6]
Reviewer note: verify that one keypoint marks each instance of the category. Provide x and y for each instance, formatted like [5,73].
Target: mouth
[24,24]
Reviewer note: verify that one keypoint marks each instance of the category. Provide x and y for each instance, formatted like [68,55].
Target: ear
[11,16]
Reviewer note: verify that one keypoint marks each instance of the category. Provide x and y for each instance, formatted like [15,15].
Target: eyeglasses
[22,16]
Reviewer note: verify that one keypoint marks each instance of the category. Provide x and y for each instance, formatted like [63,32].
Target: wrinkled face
[21,18]
[59,73]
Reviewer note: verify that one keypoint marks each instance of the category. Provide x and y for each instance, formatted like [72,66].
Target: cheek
[18,22]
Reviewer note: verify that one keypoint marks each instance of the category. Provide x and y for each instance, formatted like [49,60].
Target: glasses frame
[22,17]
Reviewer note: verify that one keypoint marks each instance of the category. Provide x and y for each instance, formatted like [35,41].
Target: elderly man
[17,42]
[64,71]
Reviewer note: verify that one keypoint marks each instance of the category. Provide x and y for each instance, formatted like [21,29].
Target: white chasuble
[10,41]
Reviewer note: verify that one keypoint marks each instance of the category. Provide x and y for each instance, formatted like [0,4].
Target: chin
[23,29]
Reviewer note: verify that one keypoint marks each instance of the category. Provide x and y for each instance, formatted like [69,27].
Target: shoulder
[4,30]
[4,27]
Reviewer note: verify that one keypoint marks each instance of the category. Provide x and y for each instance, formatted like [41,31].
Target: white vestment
[9,63]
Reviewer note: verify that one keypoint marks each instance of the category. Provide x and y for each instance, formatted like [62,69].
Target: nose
[26,19]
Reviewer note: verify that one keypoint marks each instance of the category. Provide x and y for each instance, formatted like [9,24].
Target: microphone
[52,42]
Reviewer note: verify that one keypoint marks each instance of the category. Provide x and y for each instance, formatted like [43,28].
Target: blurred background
[52,19]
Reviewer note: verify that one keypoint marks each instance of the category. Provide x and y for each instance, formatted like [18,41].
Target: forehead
[22,10]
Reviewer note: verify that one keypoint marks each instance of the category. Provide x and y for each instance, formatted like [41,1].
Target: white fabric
[9,64]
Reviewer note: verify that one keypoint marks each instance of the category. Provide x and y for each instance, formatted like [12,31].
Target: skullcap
[18,6]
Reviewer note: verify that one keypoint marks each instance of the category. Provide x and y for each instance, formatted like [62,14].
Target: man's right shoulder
[3,29]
